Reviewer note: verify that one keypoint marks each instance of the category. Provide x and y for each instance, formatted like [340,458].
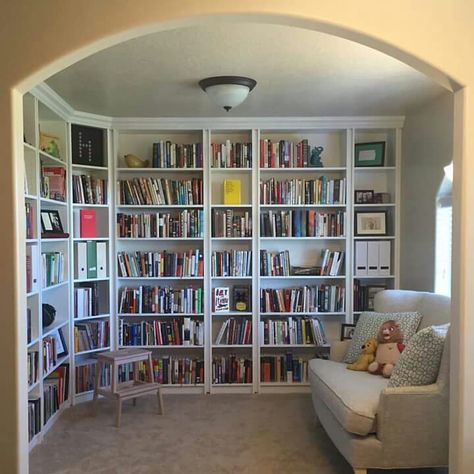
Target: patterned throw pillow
[369,324]
[420,361]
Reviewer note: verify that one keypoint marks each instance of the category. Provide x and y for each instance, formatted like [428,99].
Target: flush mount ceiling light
[227,91]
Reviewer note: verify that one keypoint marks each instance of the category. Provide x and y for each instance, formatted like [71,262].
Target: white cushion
[351,396]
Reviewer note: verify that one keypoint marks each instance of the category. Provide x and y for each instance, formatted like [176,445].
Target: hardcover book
[232,191]
[221,300]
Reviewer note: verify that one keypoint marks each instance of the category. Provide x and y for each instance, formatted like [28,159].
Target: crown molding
[58,105]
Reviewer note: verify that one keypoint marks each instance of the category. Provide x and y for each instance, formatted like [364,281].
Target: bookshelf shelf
[29,147]
[32,293]
[231,238]
[373,277]
[304,277]
[32,343]
[54,327]
[375,205]
[88,280]
[159,239]
[159,170]
[60,361]
[50,159]
[303,170]
[233,313]
[53,202]
[93,206]
[90,318]
[232,346]
[287,346]
[161,278]
[54,287]
[31,241]
[31,197]
[231,278]
[85,239]
[89,167]
[48,240]
[231,170]
[159,315]
[371,237]
[374,169]
[284,384]
[163,347]
[231,206]
[160,206]
[301,239]
[301,206]
[33,386]
[303,313]
[92,351]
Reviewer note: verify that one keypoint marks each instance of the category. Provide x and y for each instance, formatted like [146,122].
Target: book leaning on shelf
[90,336]
[55,390]
[86,373]
[52,268]
[231,369]
[292,331]
[235,332]
[89,190]
[86,300]
[331,262]
[53,183]
[34,417]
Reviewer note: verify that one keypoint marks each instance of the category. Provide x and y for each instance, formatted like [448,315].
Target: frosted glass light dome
[227,91]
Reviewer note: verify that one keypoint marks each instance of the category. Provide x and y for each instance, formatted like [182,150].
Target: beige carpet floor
[198,434]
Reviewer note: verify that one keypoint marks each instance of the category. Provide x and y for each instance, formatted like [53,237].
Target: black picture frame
[347,331]
[364,196]
[51,222]
[370,223]
[87,145]
[369,154]
[61,346]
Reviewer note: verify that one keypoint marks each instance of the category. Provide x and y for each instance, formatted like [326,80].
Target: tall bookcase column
[91,187]
[159,261]
[376,214]
[302,250]
[231,212]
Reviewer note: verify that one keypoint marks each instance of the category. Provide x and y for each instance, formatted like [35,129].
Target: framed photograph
[369,154]
[371,292]
[382,198]
[61,347]
[371,223]
[51,222]
[364,196]
[347,331]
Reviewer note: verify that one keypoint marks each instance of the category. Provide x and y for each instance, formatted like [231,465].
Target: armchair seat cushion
[351,396]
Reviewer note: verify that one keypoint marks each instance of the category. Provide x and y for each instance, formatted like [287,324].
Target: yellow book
[232,191]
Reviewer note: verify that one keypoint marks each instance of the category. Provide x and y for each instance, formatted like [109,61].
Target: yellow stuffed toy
[367,356]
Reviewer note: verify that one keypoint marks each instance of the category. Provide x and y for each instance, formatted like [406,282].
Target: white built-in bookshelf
[146,302]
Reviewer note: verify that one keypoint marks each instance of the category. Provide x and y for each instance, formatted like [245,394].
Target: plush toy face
[369,347]
[390,332]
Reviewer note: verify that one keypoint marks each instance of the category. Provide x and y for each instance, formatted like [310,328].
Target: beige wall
[427,148]
[39,38]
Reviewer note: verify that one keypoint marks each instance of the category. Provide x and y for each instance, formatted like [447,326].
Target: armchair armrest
[414,421]
[338,350]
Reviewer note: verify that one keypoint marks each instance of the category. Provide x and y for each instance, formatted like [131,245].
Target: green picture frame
[369,154]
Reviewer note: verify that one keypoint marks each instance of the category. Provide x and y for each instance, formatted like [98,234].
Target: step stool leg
[119,411]
[134,402]
[98,373]
[160,402]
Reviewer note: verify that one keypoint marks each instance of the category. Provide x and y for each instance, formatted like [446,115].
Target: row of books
[283,368]
[275,263]
[230,223]
[322,190]
[85,375]
[284,154]
[160,191]
[89,189]
[175,155]
[186,223]
[30,220]
[231,155]
[307,299]
[53,183]
[32,367]
[160,300]
[86,301]
[231,369]
[161,264]
[55,391]
[302,223]
[237,263]
[292,331]
[235,331]
[363,295]
[90,336]
[52,268]
[177,332]
[34,417]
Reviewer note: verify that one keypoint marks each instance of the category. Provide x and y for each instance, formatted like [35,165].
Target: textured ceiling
[299,73]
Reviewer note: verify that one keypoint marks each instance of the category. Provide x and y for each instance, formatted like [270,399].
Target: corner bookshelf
[162,307]
[48,269]
[91,188]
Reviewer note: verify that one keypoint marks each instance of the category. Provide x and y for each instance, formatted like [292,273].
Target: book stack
[186,223]
[284,154]
[53,183]
[230,223]
[302,223]
[176,332]
[90,336]
[89,190]
[331,262]
[34,417]
[160,191]
[173,155]
[86,373]
[30,220]
[32,367]
[292,331]
[275,263]
[237,263]
[231,155]
[52,268]
[299,191]
[307,299]
[86,301]
[161,264]
[55,391]
[231,369]
[283,369]
[235,331]
[159,300]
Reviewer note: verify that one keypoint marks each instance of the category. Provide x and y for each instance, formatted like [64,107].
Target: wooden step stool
[130,389]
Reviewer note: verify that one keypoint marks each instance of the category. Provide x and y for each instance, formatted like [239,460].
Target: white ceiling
[298,73]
